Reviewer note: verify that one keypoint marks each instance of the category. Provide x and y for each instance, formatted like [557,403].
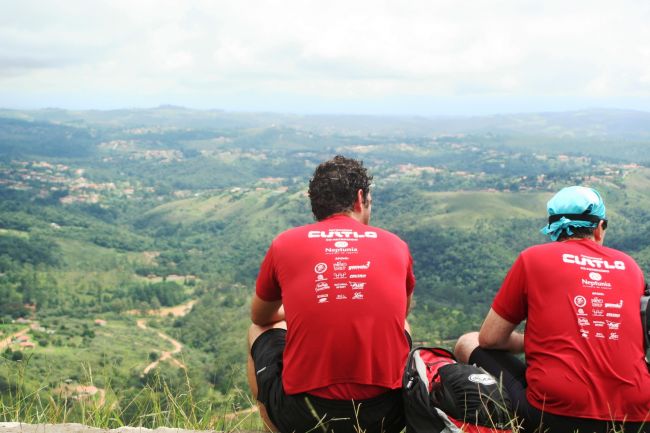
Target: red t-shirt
[583,344]
[344,287]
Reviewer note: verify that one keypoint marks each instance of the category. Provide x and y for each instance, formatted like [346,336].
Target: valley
[130,240]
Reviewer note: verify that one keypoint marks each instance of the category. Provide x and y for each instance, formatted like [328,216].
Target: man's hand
[264,313]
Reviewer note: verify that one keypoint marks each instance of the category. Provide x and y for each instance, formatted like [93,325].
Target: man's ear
[358,203]
[599,232]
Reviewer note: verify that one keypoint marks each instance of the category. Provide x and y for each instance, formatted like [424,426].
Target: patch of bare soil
[82,392]
[176,311]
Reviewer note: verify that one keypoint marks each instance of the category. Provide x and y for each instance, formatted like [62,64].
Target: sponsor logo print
[599,323]
[584,333]
[613,325]
[598,284]
[322,286]
[358,276]
[583,322]
[340,285]
[340,266]
[321,278]
[339,275]
[600,335]
[614,315]
[581,312]
[597,302]
[580,301]
[484,379]
[613,336]
[357,286]
[618,305]
[594,262]
[341,234]
[595,276]
[322,298]
[341,244]
[341,296]
[359,267]
[348,250]
[598,313]
[320,268]
[357,295]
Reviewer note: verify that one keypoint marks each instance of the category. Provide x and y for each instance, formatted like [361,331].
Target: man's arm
[265,313]
[408,304]
[498,333]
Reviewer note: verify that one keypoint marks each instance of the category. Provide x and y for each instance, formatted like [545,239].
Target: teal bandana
[574,206]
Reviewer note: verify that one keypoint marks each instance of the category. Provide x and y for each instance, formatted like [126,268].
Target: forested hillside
[108,220]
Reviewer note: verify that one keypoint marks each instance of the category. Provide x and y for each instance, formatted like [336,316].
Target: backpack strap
[411,370]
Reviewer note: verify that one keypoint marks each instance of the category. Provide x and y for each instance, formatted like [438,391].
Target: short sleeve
[511,301]
[410,277]
[267,287]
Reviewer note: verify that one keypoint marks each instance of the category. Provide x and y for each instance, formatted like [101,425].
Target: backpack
[444,396]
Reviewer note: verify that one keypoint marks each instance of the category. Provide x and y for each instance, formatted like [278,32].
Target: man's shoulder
[613,252]
[540,248]
[387,234]
[294,233]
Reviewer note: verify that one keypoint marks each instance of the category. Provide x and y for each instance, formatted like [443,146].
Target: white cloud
[221,53]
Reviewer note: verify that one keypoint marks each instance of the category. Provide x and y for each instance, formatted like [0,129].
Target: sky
[409,57]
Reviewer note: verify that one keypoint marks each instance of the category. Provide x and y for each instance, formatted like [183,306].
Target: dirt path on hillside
[166,355]
[6,342]
[232,415]
[176,311]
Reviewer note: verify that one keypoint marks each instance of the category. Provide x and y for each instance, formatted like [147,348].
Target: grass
[156,404]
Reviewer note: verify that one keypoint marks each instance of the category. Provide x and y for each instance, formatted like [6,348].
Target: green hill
[108,215]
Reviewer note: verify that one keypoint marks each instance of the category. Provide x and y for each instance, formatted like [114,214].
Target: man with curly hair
[328,341]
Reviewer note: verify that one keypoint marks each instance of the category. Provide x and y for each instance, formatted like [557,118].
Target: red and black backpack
[444,396]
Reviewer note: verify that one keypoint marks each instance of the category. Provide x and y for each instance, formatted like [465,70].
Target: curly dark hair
[333,189]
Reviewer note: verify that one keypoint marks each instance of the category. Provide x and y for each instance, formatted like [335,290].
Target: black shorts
[512,371]
[303,412]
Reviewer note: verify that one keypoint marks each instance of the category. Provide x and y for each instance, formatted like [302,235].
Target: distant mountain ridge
[601,121]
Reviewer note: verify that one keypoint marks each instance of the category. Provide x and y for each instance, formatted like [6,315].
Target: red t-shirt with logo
[583,344]
[344,287]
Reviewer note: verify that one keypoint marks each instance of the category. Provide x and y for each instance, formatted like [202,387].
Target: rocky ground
[16,427]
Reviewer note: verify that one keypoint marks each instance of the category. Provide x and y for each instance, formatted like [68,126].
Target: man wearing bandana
[585,367]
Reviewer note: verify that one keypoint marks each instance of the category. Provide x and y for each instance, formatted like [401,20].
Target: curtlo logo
[320,268]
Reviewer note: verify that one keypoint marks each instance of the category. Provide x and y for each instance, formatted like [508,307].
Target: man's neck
[357,216]
[591,238]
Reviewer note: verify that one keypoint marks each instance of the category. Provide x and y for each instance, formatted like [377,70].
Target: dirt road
[166,355]
[8,340]
[176,311]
